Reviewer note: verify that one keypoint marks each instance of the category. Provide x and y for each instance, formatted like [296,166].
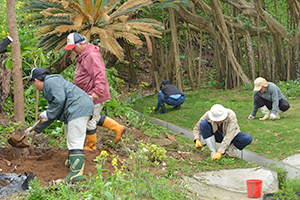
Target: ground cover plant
[163,167]
[276,139]
[137,168]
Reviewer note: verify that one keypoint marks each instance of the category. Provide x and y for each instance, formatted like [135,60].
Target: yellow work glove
[217,156]
[198,144]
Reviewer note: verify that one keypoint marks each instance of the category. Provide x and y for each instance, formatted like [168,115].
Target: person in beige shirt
[220,124]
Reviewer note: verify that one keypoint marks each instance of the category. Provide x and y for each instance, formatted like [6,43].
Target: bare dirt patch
[48,164]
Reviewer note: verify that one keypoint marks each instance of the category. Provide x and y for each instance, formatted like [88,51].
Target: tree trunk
[267,56]
[188,59]
[259,51]
[200,42]
[177,65]
[63,62]
[132,74]
[17,63]
[288,71]
[251,61]
[154,62]
[221,25]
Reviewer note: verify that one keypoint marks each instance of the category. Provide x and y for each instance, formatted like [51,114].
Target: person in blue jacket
[268,96]
[169,94]
[69,104]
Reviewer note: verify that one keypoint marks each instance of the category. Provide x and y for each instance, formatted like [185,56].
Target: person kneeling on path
[69,104]
[90,76]
[220,124]
[170,95]
[267,96]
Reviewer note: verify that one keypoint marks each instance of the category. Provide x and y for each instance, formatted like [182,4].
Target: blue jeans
[170,101]
[241,140]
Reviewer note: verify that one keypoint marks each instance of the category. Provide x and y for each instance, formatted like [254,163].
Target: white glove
[272,116]
[29,131]
[251,117]
[43,115]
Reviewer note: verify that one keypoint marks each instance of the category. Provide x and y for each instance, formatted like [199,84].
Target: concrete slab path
[230,184]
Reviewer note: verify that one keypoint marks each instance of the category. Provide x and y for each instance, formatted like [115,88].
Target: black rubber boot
[162,109]
[177,107]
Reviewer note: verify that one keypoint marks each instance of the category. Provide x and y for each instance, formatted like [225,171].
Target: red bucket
[254,188]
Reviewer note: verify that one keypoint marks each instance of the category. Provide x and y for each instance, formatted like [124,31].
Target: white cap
[259,83]
[217,113]
[73,39]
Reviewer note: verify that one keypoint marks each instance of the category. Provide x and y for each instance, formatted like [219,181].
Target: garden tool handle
[38,123]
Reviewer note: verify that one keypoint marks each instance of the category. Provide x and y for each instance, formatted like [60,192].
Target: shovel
[21,141]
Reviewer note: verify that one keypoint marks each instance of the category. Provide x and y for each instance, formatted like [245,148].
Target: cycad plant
[103,20]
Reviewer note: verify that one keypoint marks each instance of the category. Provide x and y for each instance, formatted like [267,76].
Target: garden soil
[48,164]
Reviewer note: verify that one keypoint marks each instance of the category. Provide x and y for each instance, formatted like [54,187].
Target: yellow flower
[103,154]
[114,162]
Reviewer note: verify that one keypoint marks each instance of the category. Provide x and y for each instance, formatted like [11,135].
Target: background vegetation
[206,45]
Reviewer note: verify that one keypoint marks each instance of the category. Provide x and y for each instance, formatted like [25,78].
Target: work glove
[217,156]
[43,115]
[272,116]
[251,117]
[29,132]
[198,144]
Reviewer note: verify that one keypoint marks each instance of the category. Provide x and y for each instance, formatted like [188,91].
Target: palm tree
[103,20]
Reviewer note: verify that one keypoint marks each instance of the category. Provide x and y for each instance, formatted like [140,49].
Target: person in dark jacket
[170,95]
[69,104]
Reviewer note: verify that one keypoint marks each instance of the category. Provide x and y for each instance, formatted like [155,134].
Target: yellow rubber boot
[111,124]
[91,140]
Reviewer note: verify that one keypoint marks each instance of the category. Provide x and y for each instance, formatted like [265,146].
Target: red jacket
[90,73]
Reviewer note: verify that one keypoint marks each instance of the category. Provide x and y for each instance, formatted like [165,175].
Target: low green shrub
[290,189]
[122,184]
[155,152]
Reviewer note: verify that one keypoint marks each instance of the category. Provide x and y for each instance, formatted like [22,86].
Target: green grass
[276,139]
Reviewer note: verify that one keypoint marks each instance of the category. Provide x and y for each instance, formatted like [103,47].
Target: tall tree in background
[17,62]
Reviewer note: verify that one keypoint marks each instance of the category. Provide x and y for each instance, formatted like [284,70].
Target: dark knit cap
[165,82]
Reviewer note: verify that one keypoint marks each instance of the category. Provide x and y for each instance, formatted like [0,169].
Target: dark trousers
[241,140]
[170,101]
[284,105]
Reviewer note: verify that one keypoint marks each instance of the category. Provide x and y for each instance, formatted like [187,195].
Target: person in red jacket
[90,76]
